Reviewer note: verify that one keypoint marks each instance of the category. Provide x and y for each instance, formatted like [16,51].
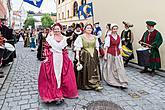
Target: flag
[86,10]
[36,3]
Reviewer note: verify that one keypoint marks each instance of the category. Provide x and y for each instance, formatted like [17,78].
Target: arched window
[62,15]
[58,1]
[59,16]
[68,13]
[83,2]
[75,8]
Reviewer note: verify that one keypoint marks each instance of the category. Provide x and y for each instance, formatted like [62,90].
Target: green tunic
[153,38]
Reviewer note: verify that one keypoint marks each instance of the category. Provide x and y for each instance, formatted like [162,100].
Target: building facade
[115,11]
[67,11]
[8,11]
[3,11]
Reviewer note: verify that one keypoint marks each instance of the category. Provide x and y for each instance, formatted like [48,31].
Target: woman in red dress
[56,77]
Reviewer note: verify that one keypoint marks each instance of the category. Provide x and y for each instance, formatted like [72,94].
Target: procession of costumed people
[95,59]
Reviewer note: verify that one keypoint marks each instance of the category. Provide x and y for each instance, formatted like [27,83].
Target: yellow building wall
[133,11]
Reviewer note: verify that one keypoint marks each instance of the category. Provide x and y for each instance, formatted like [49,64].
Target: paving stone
[9,99]
[21,102]
[24,107]
[26,97]
[11,104]
[34,105]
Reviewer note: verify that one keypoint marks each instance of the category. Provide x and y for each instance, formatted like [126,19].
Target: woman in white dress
[113,68]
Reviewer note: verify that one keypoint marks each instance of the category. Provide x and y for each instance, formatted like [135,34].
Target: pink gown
[47,81]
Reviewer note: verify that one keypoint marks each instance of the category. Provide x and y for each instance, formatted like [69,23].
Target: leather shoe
[144,71]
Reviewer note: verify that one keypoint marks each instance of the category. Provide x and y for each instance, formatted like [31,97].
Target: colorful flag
[36,3]
[86,10]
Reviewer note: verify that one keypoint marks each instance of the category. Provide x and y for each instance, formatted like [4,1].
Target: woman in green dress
[86,47]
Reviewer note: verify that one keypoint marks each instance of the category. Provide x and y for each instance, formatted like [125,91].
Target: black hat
[127,24]
[97,23]
[78,26]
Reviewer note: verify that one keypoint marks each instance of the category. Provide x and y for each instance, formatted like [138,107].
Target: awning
[2,10]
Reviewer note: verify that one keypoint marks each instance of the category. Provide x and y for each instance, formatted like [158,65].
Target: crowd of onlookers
[7,45]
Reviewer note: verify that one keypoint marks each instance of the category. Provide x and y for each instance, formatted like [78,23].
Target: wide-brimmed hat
[127,24]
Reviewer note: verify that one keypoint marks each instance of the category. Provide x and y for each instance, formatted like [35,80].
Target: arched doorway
[75,8]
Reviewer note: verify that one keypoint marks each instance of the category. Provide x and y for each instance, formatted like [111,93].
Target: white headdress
[113,24]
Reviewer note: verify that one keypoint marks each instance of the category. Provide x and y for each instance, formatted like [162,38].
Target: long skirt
[33,44]
[114,72]
[47,83]
[26,42]
[89,76]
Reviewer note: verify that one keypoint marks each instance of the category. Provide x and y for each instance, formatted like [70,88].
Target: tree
[46,21]
[30,21]
[53,14]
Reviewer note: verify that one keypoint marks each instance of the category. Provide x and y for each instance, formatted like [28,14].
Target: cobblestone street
[20,91]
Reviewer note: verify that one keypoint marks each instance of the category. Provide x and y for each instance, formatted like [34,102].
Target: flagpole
[93,18]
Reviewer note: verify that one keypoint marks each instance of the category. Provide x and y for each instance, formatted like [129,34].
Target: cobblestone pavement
[20,89]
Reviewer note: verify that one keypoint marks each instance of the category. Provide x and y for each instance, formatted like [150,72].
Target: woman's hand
[140,42]
[46,59]
[105,57]
[78,63]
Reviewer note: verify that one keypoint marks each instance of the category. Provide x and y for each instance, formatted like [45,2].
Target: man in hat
[98,32]
[152,39]
[76,33]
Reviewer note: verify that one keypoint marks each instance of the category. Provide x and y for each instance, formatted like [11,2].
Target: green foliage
[46,21]
[30,21]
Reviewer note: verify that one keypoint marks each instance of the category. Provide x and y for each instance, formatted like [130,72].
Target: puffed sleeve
[99,34]
[120,46]
[97,44]
[65,42]
[78,43]
[107,42]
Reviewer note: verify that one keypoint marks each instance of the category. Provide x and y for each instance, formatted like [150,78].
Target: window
[75,8]
[63,0]
[83,2]
[68,13]
[58,1]
[62,15]
[59,16]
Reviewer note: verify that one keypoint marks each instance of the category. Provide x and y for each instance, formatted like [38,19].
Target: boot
[145,70]
[153,73]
